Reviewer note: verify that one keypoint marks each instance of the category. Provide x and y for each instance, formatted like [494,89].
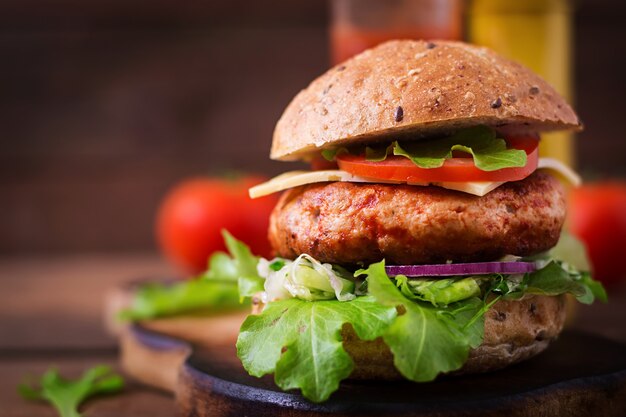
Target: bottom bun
[515,330]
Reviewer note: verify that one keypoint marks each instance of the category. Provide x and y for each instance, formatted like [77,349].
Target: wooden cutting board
[579,375]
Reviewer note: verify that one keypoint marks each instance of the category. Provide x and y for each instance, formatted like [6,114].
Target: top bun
[417,89]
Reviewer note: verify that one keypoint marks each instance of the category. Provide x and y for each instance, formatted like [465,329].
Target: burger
[422,242]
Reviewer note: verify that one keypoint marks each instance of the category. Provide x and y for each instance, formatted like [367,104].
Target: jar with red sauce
[361,24]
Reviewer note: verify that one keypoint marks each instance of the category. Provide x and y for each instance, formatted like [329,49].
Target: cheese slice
[293,179]
[560,168]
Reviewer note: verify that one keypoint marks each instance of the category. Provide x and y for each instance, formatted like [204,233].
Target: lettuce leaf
[300,341]
[241,261]
[570,250]
[425,340]
[430,154]
[249,286]
[560,278]
[489,152]
[215,290]
[195,296]
[429,325]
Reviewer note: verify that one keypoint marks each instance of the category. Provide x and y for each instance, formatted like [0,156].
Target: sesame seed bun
[420,89]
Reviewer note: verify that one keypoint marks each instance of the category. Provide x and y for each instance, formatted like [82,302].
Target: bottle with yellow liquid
[538,34]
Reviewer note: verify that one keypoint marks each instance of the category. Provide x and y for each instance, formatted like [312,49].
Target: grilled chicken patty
[355,223]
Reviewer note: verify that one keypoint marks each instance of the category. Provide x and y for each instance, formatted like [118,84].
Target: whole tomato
[598,218]
[194,212]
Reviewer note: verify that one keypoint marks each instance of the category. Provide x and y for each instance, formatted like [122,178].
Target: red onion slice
[475,268]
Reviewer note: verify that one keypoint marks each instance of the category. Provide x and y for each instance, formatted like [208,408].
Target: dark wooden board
[579,375]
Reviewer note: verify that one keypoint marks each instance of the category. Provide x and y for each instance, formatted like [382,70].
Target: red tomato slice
[456,169]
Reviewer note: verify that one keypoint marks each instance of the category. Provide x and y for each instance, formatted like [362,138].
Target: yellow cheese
[480,188]
[296,178]
[559,167]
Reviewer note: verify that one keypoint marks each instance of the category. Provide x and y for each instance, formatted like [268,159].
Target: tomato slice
[456,169]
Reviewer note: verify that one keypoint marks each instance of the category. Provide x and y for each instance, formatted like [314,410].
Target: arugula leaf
[556,278]
[489,152]
[66,395]
[331,154]
[431,154]
[425,340]
[300,341]
[378,153]
[593,289]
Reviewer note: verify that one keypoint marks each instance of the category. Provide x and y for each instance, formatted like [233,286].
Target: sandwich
[423,241]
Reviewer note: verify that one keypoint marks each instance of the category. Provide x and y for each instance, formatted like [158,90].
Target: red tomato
[320,164]
[194,212]
[598,217]
[399,168]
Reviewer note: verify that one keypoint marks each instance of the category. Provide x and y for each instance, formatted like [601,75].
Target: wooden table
[51,314]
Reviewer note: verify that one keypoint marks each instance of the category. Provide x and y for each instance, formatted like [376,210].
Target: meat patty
[356,223]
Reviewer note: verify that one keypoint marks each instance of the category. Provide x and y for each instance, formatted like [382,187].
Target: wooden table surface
[51,314]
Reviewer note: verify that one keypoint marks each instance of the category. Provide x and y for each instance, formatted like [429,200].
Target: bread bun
[418,88]
[515,330]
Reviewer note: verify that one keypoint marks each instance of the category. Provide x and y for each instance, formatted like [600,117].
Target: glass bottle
[361,24]
[538,34]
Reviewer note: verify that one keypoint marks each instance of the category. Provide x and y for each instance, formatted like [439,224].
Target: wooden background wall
[106,104]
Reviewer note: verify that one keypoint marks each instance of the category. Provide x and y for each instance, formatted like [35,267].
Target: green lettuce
[213,291]
[300,341]
[425,340]
[560,278]
[569,250]
[196,296]
[489,152]
[430,325]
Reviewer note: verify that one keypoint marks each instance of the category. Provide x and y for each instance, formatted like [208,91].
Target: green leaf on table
[66,395]
[426,340]
[300,341]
